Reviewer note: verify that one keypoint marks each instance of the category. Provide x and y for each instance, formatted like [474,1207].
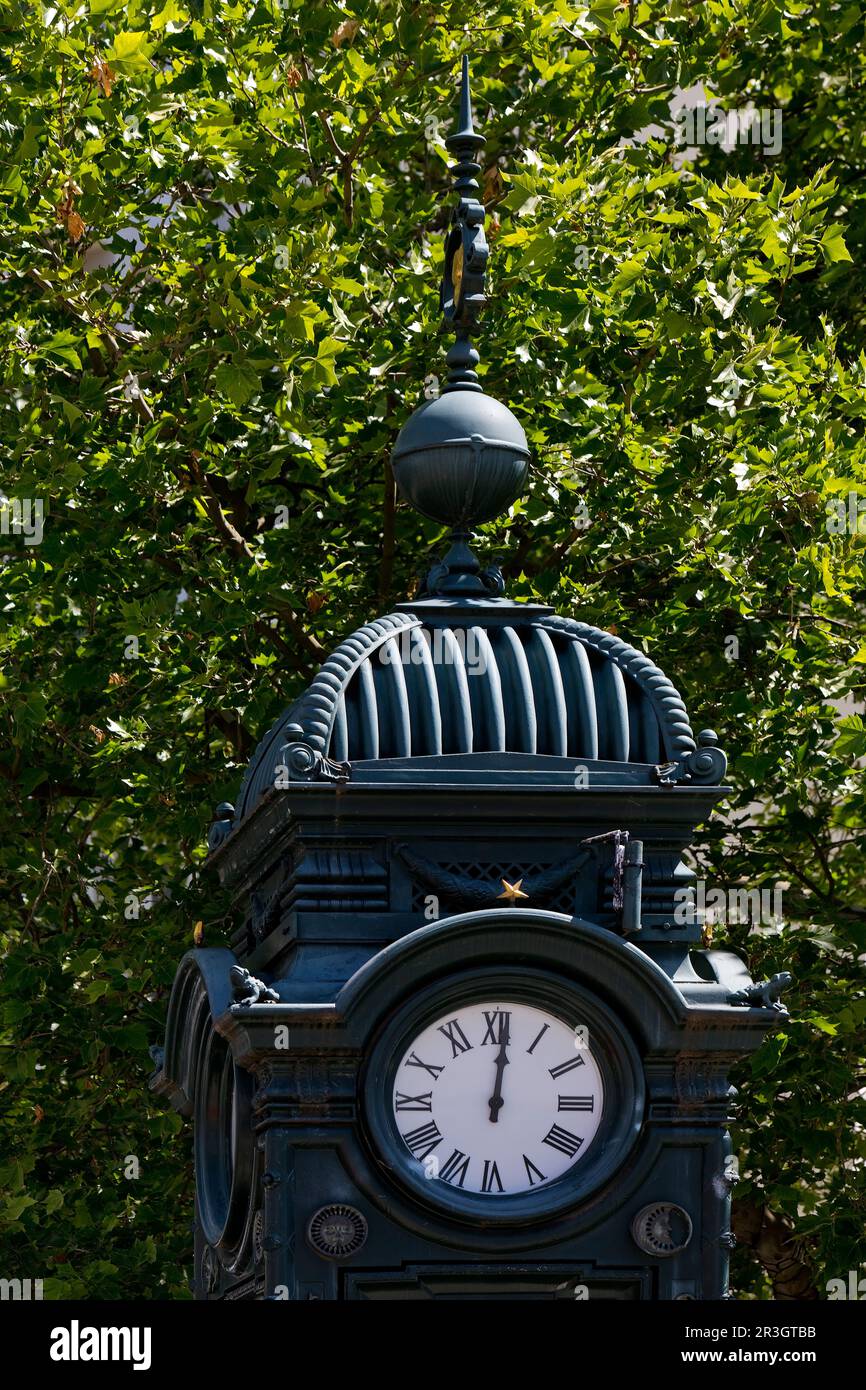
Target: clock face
[497,1098]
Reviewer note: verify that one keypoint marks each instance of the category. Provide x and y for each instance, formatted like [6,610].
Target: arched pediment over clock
[579,952]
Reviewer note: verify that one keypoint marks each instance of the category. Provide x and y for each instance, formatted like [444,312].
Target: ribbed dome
[416,685]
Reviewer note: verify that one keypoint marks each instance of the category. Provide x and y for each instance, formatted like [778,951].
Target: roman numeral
[414,1060]
[457,1038]
[563,1067]
[530,1169]
[491,1176]
[531,1049]
[576,1103]
[454,1171]
[423,1140]
[562,1139]
[422,1102]
[496,1034]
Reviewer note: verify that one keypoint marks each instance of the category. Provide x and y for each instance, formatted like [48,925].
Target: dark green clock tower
[465,1042]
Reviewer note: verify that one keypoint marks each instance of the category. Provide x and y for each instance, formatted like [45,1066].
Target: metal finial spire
[466,99]
[462,457]
[466,132]
[466,248]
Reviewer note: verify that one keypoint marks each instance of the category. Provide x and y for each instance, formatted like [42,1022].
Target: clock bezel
[613,1051]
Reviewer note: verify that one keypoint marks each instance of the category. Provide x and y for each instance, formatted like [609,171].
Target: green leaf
[16,1207]
[300,326]
[833,246]
[343,282]
[851,741]
[130,52]
[238,382]
[629,273]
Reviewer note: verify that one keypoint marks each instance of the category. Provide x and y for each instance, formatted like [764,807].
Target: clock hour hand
[496,1101]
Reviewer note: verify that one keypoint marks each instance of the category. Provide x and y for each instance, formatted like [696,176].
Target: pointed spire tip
[465,98]
[465,132]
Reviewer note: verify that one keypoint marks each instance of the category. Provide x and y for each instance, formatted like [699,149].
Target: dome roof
[442,678]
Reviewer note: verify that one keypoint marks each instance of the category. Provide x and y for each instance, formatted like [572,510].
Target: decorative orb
[461,459]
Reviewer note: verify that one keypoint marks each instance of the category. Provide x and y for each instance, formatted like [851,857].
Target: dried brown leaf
[104,75]
[345,32]
[74,226]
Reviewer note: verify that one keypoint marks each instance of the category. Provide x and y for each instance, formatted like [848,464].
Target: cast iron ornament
[466,250]
[258,1237]
[662,1229]
[462,458]
[210,1274]
[764,994]
[471,892]
[221,826]
[337,1231]
[303,763]
[248,990]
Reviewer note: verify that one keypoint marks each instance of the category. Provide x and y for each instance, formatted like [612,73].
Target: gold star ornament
[512,890]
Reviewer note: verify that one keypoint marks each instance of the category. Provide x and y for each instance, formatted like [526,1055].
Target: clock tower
[465,1041]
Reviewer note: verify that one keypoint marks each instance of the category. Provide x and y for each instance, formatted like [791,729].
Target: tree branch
[389,504]
[771,1238]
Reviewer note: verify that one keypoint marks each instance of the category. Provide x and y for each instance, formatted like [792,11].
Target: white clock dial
[497,1098]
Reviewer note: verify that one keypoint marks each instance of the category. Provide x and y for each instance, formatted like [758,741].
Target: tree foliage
[221,241]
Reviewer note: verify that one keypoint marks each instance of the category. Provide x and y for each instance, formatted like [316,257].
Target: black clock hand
[496,1101]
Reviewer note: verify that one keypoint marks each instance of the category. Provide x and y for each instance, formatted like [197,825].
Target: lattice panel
[560,901]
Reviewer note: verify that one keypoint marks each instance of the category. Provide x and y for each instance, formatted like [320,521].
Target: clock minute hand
[496,1101]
